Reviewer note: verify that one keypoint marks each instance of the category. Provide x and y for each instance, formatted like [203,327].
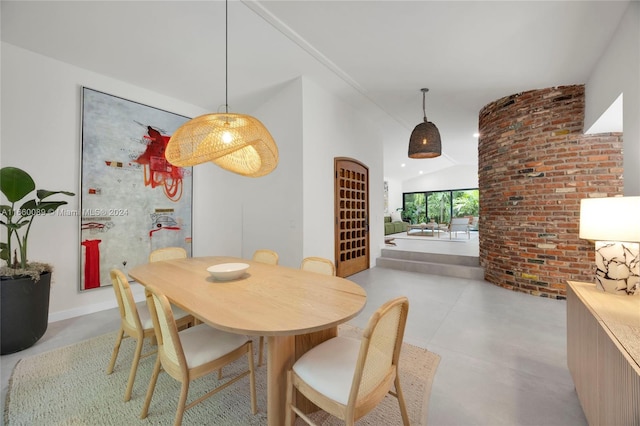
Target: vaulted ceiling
[376,55]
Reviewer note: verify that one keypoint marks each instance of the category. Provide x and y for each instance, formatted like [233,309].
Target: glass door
[466,203]
[414,207]
[440,206]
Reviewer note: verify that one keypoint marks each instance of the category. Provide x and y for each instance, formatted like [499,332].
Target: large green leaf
[29,208]
[15,183]
[44,193]
[4,253]
[51,206]
[33,208]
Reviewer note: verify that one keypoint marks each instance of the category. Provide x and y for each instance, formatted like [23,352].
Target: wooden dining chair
[319,265]
[167,253]
[192,353]
[347,378]
[269,257]
[266,256]
[135,322]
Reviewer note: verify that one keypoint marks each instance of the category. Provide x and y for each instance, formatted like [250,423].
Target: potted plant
[24,285]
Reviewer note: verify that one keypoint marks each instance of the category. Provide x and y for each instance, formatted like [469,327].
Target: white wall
[272,205]
[618,71]
[40,132]
[334,129]
[457,177]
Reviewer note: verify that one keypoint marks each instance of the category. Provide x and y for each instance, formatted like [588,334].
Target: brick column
[535,165]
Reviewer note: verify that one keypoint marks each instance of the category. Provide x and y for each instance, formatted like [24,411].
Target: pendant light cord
[226,56]
[424,110]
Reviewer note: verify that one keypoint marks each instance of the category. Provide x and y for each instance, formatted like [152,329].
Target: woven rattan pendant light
[425,138]
[236,142]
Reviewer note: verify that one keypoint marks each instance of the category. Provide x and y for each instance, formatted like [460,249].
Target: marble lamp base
[618,267]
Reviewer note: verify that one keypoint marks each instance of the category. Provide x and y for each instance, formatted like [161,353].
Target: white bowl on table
[228,271]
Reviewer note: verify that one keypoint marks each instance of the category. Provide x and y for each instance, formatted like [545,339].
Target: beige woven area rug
[68,386]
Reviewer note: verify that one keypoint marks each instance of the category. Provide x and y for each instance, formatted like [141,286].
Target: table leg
[304,342]
[282,351]
[280,358]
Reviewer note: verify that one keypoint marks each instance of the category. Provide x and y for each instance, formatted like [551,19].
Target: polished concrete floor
[503,353]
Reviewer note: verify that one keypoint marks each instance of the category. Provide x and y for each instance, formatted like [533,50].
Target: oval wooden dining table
[294,309]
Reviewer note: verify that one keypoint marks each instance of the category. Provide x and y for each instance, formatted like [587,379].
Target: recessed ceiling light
[420,172]
[402,165]
[476,135]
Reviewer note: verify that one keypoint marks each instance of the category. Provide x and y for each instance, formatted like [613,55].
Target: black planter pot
[24,313]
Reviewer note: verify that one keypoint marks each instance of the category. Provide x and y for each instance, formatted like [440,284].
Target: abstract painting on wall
[133,201]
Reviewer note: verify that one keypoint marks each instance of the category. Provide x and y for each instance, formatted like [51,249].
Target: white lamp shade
[610,219]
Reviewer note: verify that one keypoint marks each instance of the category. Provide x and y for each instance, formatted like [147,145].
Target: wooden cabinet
[603,354]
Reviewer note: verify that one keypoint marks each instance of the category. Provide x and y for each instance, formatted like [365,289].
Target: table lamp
[614,224]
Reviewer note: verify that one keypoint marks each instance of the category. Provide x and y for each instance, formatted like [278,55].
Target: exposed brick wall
[534,167]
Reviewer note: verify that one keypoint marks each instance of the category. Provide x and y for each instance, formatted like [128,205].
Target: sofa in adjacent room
[393,225]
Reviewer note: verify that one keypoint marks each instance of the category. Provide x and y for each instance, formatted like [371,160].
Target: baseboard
[138,296]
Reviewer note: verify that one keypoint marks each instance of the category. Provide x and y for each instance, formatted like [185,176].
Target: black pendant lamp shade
[425,138]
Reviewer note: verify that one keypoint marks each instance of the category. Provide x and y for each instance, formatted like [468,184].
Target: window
[440,206]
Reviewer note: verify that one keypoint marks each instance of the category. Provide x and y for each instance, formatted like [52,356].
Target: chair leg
[152,386]
[289,416]
[260,350]
[116,350]
[184,391]
[134,369]
[252,378]
[403,406]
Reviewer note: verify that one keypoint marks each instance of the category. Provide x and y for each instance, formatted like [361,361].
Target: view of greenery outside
[440,206]
[414,207]
[466,203]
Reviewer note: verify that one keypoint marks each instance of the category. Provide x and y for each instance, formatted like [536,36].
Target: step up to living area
[450,265]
